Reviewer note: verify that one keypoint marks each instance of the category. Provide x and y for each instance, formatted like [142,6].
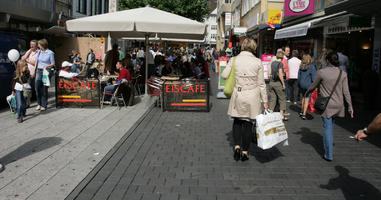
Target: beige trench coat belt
[246,87]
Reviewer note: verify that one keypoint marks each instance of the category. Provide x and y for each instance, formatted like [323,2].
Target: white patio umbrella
[140,22]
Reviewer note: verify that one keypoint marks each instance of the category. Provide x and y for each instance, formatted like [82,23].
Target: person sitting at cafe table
[65,71]
[167,69]
[123,76]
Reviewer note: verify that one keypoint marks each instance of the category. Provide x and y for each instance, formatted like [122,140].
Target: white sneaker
[38,107]
[43,109]
[1,167]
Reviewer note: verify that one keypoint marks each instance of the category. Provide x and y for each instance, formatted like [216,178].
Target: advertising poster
[221,81]
[266,59]
[298,7]
[275,17]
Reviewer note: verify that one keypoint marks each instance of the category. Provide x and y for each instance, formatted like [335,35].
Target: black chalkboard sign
[186,95]
[77,92]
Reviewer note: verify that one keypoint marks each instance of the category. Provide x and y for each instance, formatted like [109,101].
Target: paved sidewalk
[188,155]
[49,154]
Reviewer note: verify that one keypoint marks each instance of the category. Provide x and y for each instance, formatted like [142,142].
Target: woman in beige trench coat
[248,94]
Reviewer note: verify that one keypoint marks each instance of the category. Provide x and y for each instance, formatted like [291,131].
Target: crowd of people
[289,78]
[31,72]
[127,66]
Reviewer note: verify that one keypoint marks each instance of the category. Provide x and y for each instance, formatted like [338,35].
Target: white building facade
[211,29]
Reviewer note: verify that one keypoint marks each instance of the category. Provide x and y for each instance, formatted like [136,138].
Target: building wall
[41,11]
[253,13]
[220,43]
[64,45]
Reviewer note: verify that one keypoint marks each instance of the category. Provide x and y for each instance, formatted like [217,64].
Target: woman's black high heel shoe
[244,157]
[237,154]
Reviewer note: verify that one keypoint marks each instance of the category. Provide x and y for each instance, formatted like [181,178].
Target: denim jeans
[75,68]
[111,89]
[41,90]
[20,104]
[328,137]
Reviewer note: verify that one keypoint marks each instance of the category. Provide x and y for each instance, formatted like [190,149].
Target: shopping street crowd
[291,74]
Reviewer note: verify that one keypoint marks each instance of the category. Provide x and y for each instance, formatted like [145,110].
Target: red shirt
[124,74]
[285,67]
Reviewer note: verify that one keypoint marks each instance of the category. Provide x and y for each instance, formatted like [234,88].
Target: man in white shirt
[293,68]
[65,71]
[343,60]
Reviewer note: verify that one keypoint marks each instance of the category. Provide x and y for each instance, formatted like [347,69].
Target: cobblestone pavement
[188,155]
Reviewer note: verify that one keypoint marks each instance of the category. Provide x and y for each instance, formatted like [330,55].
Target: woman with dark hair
[326,78]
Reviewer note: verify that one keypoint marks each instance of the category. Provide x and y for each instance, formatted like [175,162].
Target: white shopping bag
[270,130]
[45,78]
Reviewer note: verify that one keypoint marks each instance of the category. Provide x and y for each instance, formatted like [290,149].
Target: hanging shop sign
[77,92]
[239,31]
[186,95]
[343,28]
[298,7]
[228,19]
[274,16]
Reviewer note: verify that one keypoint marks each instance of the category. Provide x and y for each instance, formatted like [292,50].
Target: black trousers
[243,133]
[293,90]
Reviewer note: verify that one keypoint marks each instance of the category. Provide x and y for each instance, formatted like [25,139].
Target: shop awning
[301,29]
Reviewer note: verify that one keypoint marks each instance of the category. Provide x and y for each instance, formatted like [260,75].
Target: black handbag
[322,102]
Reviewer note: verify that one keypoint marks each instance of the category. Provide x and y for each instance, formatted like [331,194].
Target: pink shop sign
[298,7]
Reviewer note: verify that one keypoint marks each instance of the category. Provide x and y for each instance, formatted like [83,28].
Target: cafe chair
[115,96]
[154,88]
[136,84]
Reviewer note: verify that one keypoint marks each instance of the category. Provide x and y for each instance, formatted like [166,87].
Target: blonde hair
[279,55]
[306,60]
[43,43]
[19,69]
[249,45]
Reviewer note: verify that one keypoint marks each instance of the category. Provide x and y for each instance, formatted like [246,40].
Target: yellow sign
[274,16]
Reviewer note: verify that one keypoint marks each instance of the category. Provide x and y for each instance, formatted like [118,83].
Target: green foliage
[193,9]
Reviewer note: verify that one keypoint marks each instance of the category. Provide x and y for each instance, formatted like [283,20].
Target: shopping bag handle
[267,111]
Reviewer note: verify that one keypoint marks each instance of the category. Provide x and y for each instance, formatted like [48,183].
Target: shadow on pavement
[312,138]
[30,148]
[352,188]
[262,156]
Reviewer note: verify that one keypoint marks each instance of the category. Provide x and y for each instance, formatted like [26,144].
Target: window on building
[228,1]
[82,6]
[98,7]
[105,7]
[91,8]
[213,27]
